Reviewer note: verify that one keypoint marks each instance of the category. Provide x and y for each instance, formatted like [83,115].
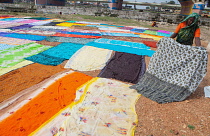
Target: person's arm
[176,31]
[197,37]
[197,41]
[173,35]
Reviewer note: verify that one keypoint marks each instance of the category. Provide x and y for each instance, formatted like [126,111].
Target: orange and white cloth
[101,107]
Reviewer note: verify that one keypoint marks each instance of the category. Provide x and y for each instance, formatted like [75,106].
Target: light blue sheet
[116,46]
[56,55]
[26,36]
[5,46]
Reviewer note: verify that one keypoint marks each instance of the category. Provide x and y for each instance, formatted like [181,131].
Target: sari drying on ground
[90,115]
[45,105]
[95,59]
[125,67]
[122,46]
[55,55]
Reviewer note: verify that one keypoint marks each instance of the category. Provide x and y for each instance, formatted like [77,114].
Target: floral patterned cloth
[90,115]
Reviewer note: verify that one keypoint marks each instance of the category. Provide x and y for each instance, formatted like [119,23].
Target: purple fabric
[21,26]
[125,67]
[4,33]
[162,31]
[126,28]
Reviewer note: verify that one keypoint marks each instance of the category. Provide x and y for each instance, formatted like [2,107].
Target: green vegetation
[191,127]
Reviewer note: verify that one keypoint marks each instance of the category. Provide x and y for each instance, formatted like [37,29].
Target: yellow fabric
[19,65]
[90,115]
[157,38]
[95,59]
[70,24]
[57,119]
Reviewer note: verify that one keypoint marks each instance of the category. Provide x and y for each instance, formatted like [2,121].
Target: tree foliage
[171,2]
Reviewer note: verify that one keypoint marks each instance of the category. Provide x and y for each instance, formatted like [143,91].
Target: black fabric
[160,91]
[125,67]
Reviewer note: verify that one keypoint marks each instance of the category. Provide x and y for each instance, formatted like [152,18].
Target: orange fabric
[150,43]
[74,35]
[182,25]
[40,109]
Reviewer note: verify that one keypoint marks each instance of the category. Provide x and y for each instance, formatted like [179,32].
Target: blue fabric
[39,18]
[163,34]
[122,48]
[26,36]
[46,59]
[21,26]
[71,21]
[56,55]
[42,29]
[9,19]
[122,43]
[137,30]
[80,33]
[4,33]
[5,46]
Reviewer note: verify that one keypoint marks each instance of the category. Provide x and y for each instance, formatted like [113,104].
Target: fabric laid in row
[14,41]
[124,67]
[90,115]
[122,46]
[18,100]
[19,79]
[69,39]
[89,58]
[56,55]
[16,54]
[45,105]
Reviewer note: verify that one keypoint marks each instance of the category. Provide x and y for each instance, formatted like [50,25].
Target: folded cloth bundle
[174,72]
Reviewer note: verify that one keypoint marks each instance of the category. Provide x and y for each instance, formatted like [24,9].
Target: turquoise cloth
[163,34]
[26,36]
[137,30]
[71,21]
[39,18]
[9,19]
[118,45]
[56,55]
[122,43]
